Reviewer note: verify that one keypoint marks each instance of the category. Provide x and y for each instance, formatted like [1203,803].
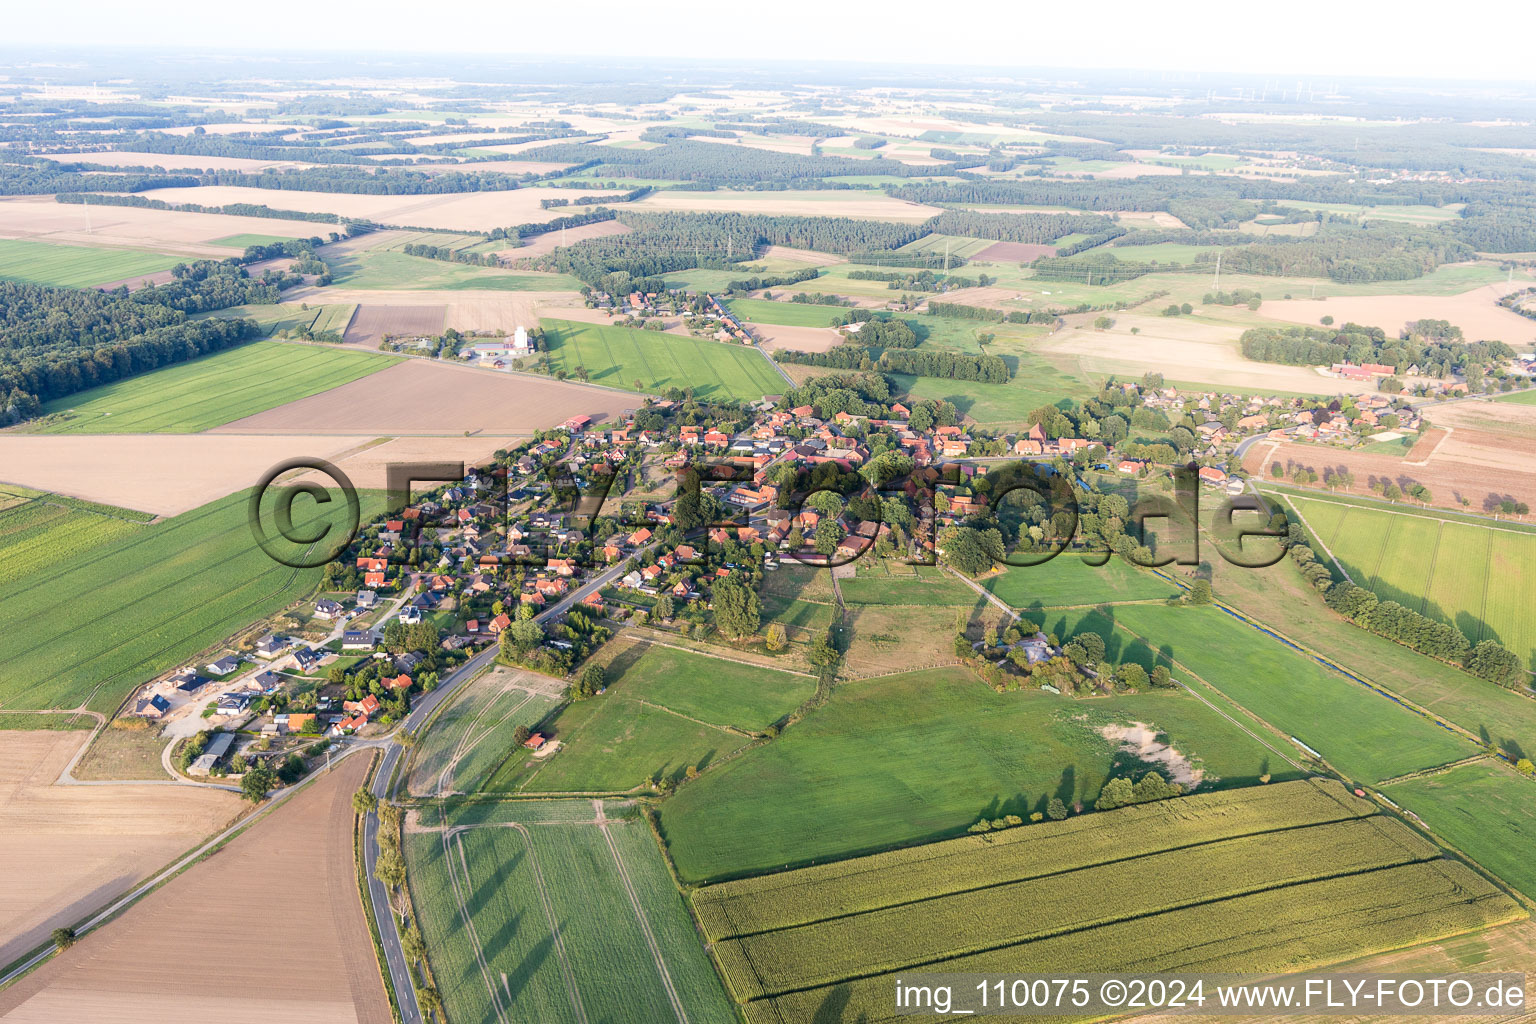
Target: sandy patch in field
[541,245]
[1014,252]
[161,473]
[1141,741]
[466,310]
[1482,468]
[176,161]
[1476,312]
[41,219]
[461,211]
[419,396]
[133,284]
[806,204]
[68,849]
[803,339]
[281,898]
[1184,350]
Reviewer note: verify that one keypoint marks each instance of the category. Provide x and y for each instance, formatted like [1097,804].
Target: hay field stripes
[465,847]
[213,390]
[786,942]
[1437,566]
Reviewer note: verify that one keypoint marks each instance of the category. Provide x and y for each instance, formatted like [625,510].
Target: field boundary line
[1324,544]
[645,926]
[1370,501]
[1431,453]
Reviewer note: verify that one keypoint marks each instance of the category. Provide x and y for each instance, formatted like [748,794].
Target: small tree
[63,938]
[776,637]
[363,802]
[1056,810]
[1200,592]
[256,783]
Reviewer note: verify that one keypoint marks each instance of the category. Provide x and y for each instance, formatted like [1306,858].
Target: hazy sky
[1334,38]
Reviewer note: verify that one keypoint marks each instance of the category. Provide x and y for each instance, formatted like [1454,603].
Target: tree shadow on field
[831,1009]
[497,879]
[502,938]
[518,979]
[624,661]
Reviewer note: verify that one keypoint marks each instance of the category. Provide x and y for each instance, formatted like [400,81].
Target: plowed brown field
[70,849]
[270,928]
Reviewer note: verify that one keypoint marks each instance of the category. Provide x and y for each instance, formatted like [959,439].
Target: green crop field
[664,711]
[557,922]
[798,596]
[1361,733]
[1477,577]
[1242,880]
[74,266]
[247,240]
[89,628]
[384,269]
[1067,580]
[40,532]
[651,361]
[1036,382]
[1520,397]
[471,737]
[193,396]
[788,314]
[920,756]
[1484,809]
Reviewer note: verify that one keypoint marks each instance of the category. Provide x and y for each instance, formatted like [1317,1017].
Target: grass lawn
[1486,810]
[189,397]
[664,711]
[877,585]
[1361,733]
[384,269]
[1520,397]
[283,317]
[92,627]
[565,913]
[75,266]
[787,314]
[621,357]
[916,757]
[1067,580]
[247,240]
[1035,383]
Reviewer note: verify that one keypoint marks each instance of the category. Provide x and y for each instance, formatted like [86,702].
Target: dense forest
[711,163]
[56,341]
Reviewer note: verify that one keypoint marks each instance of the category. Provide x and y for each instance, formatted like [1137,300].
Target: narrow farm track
[645,926]
[472,738]
[451,839]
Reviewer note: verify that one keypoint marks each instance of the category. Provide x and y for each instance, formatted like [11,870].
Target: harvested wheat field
[368,466]
[991,297]
[165,474]
[808,256]
[1184,350]
[422,397]
[279,910]
[1481,468]
[542,245]
[68,850]
[1476,312]
[1516,421]
[177,161]
[454,211]
[372,323]
[465,310]
[825,203]
[41,219]
[803,339]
